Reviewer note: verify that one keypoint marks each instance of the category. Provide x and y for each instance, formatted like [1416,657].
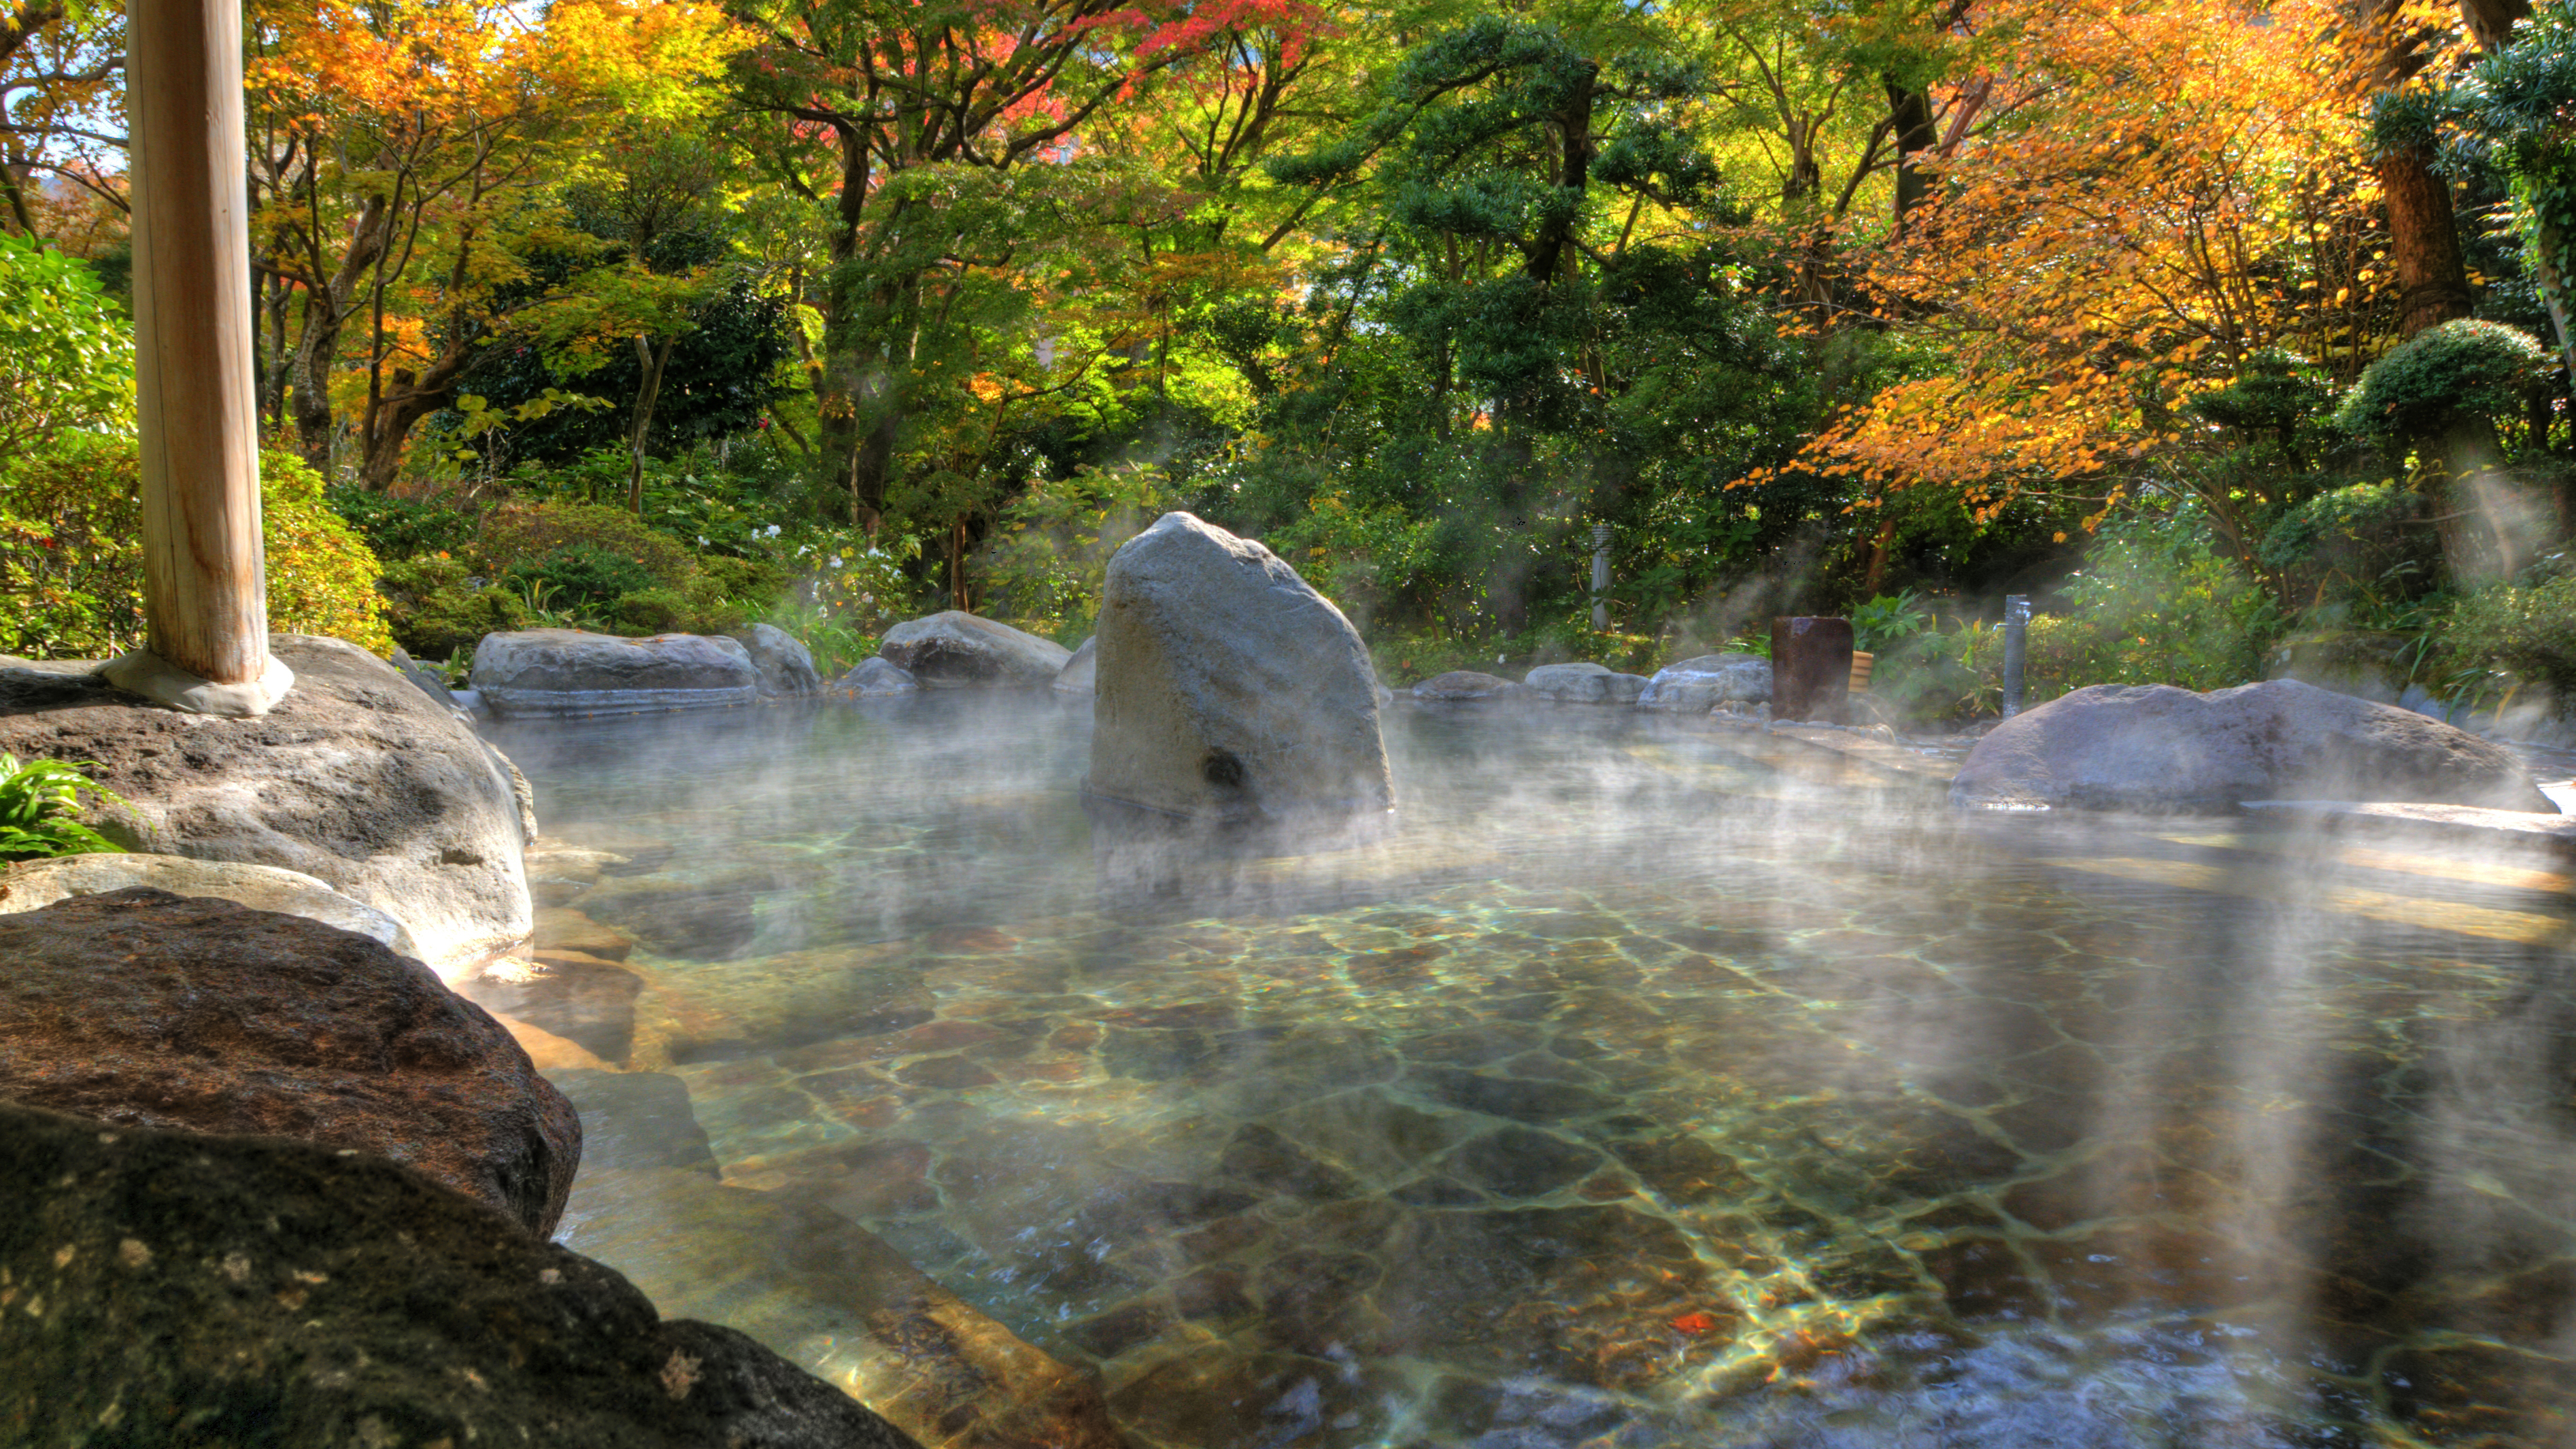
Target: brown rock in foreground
[2155,747]
[145,1009]
[168,1288]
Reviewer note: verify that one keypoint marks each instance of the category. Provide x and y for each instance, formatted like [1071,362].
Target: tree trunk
[2424,241]
[652,360]
[2547,242]
[411,398]
[1909,115]
[326,311]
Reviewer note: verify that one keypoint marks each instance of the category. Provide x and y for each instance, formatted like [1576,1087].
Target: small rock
[1584,684]
[1696,686]
[954,650]
[1461,685]
[1080,672]
[876,678]
[2160,748]
[32,884]
[786,666]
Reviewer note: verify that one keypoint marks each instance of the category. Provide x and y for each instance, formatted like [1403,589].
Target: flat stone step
[2454,824]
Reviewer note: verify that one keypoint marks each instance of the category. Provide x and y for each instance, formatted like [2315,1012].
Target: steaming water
[1652,1084]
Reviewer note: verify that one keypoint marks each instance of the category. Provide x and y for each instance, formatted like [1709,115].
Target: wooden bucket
[1861,663]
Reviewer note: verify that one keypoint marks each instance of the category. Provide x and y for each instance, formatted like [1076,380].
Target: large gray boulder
[786,666]
[147,1009]
[1696,686]
[1228,689]
[2157,747]
[551,673]
[172,1288]
[357,778]
[34,884]
[955,650]
[1584,684]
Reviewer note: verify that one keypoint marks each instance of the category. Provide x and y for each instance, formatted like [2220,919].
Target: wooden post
[205,583]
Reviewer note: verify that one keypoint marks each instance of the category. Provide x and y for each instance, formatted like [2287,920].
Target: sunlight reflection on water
[1649,1084]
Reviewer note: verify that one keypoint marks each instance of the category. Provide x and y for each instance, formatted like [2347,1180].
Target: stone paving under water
[1650,1085]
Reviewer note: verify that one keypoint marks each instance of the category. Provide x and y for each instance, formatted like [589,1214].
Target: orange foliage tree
[405,159]
[2186,188]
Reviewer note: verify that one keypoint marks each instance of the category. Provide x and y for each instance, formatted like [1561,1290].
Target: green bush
[2527,631]
[582,576]
[1046,563]
[517,534]
[66,351]
[438,609]
[2460,370]
[40,810]
[2367,540]
[403,527]
[71,556]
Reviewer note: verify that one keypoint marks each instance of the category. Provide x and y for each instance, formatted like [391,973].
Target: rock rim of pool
[2160,748]
[957,650]
[357,778]
[1229,691]
[568,673]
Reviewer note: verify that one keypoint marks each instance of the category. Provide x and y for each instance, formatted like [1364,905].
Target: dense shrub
[438,609]
[69,352]
[525,534]
[2366,539]
[71,554]
[580,576]
[2528,631]
[2459,370]
[398,528]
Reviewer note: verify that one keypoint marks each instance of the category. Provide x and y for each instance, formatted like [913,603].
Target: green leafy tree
[66,351]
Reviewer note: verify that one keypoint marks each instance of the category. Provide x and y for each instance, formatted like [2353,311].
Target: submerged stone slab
[836,1300]
[2155,747]
[146,1009]
[1698,685]
[2451,824]
[357,778]
[555,673]
[1229,689]
[32,884]
[956,650]
[272,1292]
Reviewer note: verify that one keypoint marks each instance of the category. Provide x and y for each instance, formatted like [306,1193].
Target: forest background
[2236,333]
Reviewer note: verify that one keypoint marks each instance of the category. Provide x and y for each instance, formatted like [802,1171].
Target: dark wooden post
[205,591]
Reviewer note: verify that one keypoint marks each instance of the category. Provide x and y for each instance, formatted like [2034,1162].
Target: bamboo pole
[205,584]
